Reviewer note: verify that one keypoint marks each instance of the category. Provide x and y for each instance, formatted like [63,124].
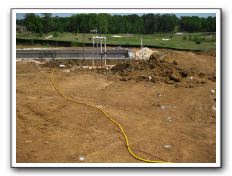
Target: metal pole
[93,54]
[105,47]
[105,52]
[141,46]
[83,46]
[101,52]
[97,53]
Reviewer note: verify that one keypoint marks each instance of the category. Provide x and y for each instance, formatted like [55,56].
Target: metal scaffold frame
[98,42]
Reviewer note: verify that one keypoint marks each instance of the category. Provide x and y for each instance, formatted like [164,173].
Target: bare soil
[172,120]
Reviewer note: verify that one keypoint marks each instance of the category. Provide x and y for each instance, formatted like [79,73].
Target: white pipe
[97,50]
[141,46]
[100,43]
[101,52]
[101,47]
[105,47]
[93,54]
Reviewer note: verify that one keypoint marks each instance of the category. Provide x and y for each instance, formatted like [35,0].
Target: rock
[66,71]
[175,77]
[170,81]
[123,79]
[140,78]
[81,157]
[28,141]
[184,73]
[167,146]
[201,74]
[169,119]
[212,76]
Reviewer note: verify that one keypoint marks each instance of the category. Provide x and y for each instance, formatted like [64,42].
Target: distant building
[20,28]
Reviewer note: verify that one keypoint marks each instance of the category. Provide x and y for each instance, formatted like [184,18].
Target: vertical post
[105,47]
[105,51]
[101,52]
[141,40]
[93,55]
[97,53]
[83,46]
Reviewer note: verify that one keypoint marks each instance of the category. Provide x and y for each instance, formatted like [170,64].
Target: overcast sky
[21,15]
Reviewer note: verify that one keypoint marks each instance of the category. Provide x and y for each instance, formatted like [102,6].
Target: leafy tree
[48,23]
[197,24]
[33,23]
[106,23]
[102,22]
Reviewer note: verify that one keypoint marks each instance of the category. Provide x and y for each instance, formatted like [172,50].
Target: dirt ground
[171,121]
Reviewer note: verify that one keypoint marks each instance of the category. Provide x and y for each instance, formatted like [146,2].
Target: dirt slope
[174,123]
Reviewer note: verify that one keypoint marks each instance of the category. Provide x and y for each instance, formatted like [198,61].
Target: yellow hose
[112,120]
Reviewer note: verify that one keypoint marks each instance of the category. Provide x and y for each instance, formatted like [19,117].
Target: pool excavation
[117,105]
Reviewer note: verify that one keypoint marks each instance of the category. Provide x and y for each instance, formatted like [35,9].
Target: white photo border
[217,11]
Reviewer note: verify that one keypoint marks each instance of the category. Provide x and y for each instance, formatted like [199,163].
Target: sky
[205,15]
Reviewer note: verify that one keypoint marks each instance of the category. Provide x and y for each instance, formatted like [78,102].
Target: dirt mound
[156,69]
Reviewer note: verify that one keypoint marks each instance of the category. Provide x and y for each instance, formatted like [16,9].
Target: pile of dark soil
[156,70]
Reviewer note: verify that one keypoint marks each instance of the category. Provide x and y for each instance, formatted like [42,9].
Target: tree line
[107,23]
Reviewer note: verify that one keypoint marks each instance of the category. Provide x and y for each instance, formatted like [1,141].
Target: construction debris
[143,54]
